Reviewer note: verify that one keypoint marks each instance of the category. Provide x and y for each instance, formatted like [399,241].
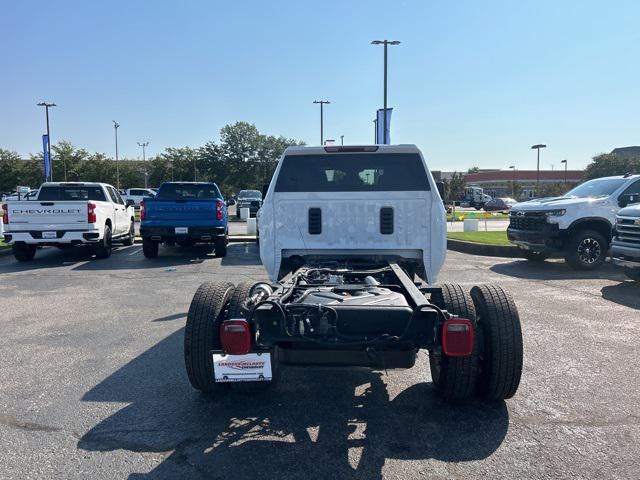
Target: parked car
[185,213]
[341,245]
[577,225]
[251,199]
[625,246]
[66,214]
[30,195]
[503,204]
[138,194]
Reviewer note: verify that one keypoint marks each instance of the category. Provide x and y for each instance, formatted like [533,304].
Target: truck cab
[380,201]
[577,225]
[625,246]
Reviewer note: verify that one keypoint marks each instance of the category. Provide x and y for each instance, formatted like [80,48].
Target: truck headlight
[555,213]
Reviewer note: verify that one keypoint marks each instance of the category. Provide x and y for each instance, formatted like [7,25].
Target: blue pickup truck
[184,213]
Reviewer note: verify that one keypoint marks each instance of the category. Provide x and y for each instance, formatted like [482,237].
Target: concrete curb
[508,251]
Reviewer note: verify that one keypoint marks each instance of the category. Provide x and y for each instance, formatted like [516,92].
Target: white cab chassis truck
[352,239]
[66,214]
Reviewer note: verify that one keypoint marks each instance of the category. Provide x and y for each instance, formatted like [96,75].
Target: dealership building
[498,183]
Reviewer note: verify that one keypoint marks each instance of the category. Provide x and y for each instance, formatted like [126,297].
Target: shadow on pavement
[132,258]
[554,270]
[316,423]
[625,293]
[48,257]
[245,253]
[174,316]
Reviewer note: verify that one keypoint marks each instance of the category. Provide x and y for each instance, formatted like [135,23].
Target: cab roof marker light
[351,149]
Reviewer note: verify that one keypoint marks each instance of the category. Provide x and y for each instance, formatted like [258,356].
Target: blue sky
[473,83]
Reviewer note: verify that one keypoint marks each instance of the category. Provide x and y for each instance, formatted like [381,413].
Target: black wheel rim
[589,250]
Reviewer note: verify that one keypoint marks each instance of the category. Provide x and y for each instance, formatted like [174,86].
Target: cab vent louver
[386,220]
[315,221]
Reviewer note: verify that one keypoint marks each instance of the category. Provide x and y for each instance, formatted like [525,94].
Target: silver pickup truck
[625,246]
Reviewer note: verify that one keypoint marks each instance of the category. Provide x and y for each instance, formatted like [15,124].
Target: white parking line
[137,251]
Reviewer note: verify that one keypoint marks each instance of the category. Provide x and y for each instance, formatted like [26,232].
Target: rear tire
[586,250]
[131,237]
[499,342]
[238,310]
[23,252]
[103,249]
[221,246]
[202,333]
[534,256]
[454,378]
[150,248]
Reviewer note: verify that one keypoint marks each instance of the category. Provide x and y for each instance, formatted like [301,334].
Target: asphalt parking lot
[93,383]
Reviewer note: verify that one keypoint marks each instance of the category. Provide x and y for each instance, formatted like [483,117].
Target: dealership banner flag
[380,125]
[46,156]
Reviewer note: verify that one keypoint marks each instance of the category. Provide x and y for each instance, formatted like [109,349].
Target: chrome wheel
[589,250]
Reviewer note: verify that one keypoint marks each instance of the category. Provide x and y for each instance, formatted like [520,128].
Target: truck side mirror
[441,190]
[265,188]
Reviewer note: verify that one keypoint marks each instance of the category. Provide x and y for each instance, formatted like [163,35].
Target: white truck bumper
[34,237]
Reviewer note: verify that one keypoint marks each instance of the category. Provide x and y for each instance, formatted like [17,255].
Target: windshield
[355,172]
[188,191]
[68,192]
[601,187]
[250,194]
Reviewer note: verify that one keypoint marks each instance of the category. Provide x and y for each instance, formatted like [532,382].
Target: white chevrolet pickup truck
[66,214]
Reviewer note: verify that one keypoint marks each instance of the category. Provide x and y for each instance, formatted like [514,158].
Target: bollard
[470,225]
[244,213]
[252,228]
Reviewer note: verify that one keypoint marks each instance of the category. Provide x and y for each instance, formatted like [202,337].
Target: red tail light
[235,337]
[457,337]
[91,212]
[5,214]
[141,210]
[219,207]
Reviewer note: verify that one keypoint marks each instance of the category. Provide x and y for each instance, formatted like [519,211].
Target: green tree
[455,186]
[11,170]
[473,169]
[608,164]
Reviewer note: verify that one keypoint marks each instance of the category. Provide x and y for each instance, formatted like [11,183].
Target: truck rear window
[188,191]
[71,192]
[357,172]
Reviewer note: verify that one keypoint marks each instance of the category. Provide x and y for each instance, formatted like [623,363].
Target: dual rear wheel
[494,368]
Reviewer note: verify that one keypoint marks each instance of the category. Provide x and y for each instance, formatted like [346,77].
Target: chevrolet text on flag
[380,125]
[46,156]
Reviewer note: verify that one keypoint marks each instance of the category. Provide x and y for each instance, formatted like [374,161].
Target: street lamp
[375,131]
[513,182]
[46,108]
[115,127]
[144,145]
[385,43]
[538,147]
[341,139]
[565,170]
[322,103]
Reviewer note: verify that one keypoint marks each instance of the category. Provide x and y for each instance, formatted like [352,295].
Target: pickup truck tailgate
[47,213]
[180,212]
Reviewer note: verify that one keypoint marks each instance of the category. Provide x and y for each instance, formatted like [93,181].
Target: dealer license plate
[182,230]
[49,235]
[252,367]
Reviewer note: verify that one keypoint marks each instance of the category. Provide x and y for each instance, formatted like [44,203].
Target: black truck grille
[531,221]
[627,230]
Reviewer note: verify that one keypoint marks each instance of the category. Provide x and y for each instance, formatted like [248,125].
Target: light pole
[513,181]
[322,103]
[538,147]
[341,139]
[46,109]
[565,170]
[144,145]
[385,43]
[375,131]
[115,127]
